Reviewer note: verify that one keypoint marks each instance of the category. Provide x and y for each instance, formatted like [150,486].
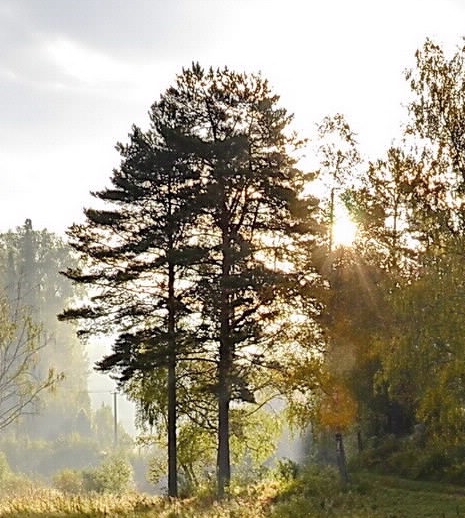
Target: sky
[76,74]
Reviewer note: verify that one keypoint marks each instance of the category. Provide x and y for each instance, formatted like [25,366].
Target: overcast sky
[75,74]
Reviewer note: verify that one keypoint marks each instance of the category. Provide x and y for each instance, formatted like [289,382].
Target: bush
[286,470]
[69,481]
[115,475]
[403,457]
[431,464]
[10,482]
[315,492]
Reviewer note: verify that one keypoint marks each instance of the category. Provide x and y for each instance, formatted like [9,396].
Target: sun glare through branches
[344,230]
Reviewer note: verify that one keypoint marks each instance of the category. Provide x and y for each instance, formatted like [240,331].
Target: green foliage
[315,492]
[424,363]
[12,483]
[404,362]
[114,475]
[253,442]
[255,434]
[69,481]
[286,470]
[70,451]
[435,461]
[30,264]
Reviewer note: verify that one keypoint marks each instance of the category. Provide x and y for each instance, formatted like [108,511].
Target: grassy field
[422,499]
[313,495]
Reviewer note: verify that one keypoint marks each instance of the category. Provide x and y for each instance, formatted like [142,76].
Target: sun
[344,230]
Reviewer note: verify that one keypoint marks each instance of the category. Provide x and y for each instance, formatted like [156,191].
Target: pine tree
[138,256]
[253,221]
[197,259]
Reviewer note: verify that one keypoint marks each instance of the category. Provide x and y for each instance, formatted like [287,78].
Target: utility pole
[340,452]
[331,221]
[115,419]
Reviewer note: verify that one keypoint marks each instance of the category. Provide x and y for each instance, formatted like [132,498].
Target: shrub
[115,475]
[69,481]
[286,470]
[316,491]
[5,470]
[403,457]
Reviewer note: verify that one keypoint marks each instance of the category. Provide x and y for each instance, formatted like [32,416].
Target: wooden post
[359,441]
[341,459]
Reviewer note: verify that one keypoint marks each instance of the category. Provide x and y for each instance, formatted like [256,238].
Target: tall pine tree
[205,253]
[137,256]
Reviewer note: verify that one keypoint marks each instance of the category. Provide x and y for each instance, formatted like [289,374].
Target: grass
[395,497]
[372,496]
[313,495]
[42,503]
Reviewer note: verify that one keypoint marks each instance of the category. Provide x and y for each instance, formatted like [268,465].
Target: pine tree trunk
[223,458]
[224,362]
[172,446]
[172,440]
[224,398]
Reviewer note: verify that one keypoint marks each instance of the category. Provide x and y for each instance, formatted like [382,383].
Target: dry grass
[51,503]
[46,503]
[312,496]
